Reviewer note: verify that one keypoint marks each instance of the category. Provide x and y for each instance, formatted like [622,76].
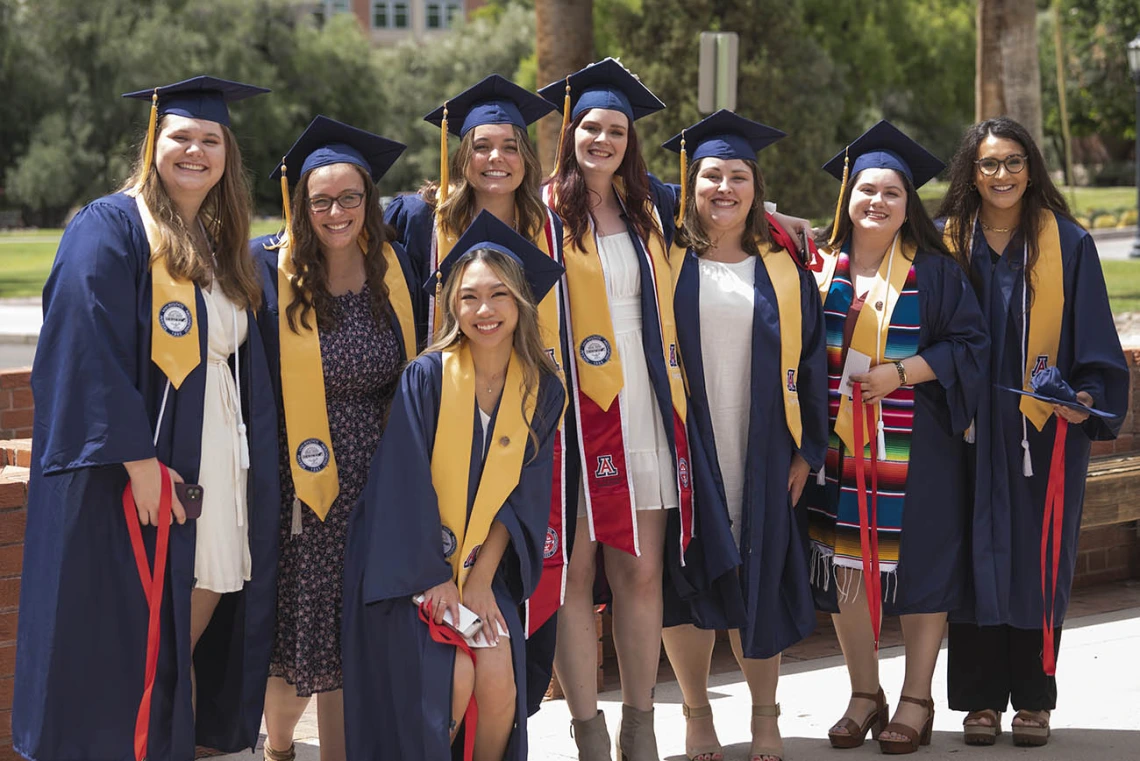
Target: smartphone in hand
[190,495]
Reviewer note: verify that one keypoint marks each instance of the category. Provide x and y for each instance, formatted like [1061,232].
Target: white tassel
[971,433]
[1026,460]
[243,440]
[881,438]
[821,478]
[296,529]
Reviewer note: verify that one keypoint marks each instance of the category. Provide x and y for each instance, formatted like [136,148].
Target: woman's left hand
[878,382]
[480,599]
[1075,416]
[797,227]
[797,477]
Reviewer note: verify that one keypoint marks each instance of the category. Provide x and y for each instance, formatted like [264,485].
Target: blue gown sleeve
[664,197]
[813,374]
[89,410]
[1098,367]
[413,219]
[953,341]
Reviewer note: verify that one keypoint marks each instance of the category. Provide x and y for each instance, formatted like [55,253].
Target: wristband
[902,372]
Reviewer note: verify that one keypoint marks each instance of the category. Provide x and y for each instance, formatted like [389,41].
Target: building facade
[389,21]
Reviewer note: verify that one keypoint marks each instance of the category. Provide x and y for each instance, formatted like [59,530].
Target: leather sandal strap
[867,695]
[985,713]
[772,712]
[280,755]
[849,724]
[925,703]
[898,728]
[696,712]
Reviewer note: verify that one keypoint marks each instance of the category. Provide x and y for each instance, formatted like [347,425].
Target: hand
[146,488]
[797,477]
[441,598]
[878,382]
[1075,416]
[797,227]
[481,600]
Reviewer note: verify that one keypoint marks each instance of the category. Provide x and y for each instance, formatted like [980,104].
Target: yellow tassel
[438,304]
[151,128]
[285,205]
[444,180]
[684,180]
[839,201]
[562,131]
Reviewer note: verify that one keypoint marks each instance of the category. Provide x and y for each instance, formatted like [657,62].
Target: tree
[1008,73]
[564,43]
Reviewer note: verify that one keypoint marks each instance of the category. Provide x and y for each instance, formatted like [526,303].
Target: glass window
[380,16]
[400,15]
[434,16]
[454,12]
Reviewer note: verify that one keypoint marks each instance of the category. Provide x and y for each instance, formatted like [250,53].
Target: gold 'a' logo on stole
[870,336]
[311,457]
[451,455]
[1044,313]
[174,346]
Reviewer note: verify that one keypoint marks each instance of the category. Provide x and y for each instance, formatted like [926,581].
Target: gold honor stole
[598,378]
[1044,314]
[870,336]
[451,457]
[823,268]
[785,278]
[312,461]
[174,346]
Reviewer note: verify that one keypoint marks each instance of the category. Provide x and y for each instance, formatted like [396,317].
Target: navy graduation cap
[605,84]
[1049,386]
[494,100]
[487,231]
[198,97]
[885,146]
[326,141]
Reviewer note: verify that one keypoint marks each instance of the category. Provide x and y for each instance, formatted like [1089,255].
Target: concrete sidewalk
[1097,716]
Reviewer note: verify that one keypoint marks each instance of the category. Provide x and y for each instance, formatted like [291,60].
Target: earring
[973,187]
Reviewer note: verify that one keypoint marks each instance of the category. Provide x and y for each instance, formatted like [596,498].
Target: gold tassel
[839,202]
[444,180]
[151,128]
[285,205]
[438,308]
[684,181]
[562,131]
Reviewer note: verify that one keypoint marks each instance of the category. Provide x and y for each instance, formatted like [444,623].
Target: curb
[1113,233]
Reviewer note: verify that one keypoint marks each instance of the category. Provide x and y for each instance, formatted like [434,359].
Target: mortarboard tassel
[285,205]
[839,201]
[684,181]
[562,131]
[880,435]
[444,179]
[151,127]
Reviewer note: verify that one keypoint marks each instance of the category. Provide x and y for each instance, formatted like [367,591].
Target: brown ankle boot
[636,740]
[592,737]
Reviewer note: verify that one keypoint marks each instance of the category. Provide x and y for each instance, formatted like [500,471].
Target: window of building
[326,8]
[443,14]
[390,14]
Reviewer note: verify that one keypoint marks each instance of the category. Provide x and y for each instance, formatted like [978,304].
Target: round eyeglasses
[321,204]
[1013,164]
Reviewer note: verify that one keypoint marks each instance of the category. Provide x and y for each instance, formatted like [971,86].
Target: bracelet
[902,372]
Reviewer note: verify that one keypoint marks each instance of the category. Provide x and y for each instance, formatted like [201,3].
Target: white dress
[221,556]
[726,303]
[647,452]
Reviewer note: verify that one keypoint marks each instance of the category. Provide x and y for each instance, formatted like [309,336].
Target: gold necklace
[998,229]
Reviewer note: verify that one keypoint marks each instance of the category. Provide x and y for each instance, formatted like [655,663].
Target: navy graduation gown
[83,614]
[397,681]
[1008,507]
[931,572]
[760,587]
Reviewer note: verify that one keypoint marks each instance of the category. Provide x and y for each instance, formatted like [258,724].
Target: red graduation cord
[152,587]
[445,635]
[868,525]
[1054,512]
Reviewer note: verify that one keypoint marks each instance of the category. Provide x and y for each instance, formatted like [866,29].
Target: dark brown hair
[570,198]
[692,233]
[311,285]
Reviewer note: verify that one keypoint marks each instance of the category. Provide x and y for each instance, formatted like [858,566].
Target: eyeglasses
[321,204]
[1013,164]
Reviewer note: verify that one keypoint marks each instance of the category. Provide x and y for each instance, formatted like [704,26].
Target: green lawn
[26,257]
[1123,278]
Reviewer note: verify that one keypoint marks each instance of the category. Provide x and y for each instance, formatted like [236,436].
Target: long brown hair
[692,233]
[527,340]
[458,211]
[962,200]
[571,198]
[311,285]
[225,215]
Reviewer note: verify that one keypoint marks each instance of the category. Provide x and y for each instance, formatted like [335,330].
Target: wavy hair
[692,233]
[225,215]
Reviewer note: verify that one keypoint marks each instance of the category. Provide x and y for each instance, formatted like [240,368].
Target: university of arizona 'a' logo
[791,380]
[472,557]
[606,467]
[1040,365]
[673,362]
[683,472]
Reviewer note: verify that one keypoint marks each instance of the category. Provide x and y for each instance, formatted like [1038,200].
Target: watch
[902,372]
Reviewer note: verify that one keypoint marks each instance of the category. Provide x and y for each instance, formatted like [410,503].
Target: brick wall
[1108,553]
[1129,439]
[15,404]
[14,458]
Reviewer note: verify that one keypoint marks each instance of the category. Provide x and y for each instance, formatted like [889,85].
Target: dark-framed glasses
[350,200]
[1013,164]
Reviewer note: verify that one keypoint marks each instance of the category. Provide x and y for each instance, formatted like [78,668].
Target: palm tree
[1008,77]
[565,43]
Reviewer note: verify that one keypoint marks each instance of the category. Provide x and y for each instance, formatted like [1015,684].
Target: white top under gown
[648,456]
[221,557]
[726,302]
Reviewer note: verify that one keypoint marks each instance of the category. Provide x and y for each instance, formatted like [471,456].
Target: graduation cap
[494,100]
[1049,387]
[723,135]
[326,141]
[487,231]
[199,97]
[605,84]
[884,146]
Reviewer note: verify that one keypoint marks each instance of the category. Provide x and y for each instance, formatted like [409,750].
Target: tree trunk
[564,41]
[1008,75]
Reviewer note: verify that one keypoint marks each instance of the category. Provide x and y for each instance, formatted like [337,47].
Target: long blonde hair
[225,214]
[527,340]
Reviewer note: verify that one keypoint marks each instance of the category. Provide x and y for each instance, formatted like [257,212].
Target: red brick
[1116,559]
[19,378]
[21,433]
[11,522]
[10,590]
[13,420]
[6,693]
[12,494]
[11,560]
[1102,448]
[5,399]
[1125,442]
[8,626]
[1096,561]
[21,399]
[7,663]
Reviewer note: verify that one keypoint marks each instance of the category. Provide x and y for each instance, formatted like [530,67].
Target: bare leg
[762,675]
[283,709]
[203,602]
[690,653]
[462,685]
[922,637]
[576,653]
[638,607]
[856,638]
[495,694]
[330,725]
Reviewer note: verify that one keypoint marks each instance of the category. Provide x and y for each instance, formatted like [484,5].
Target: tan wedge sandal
[711,753]
[280,755]
[1036,734]
[976,733]
[763,752]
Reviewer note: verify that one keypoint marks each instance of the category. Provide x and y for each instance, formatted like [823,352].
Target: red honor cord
[868,524]
[445,635]
[1054,513]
